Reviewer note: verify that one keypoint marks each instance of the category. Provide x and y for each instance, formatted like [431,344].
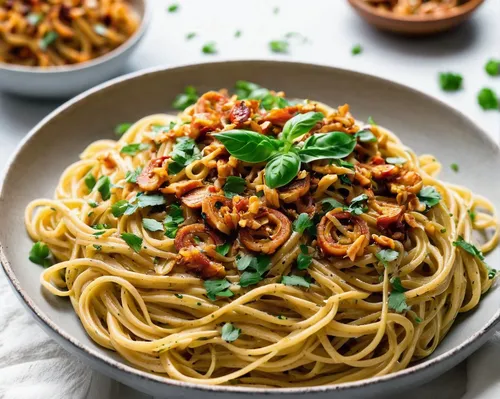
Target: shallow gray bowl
[422,122]
[69,80]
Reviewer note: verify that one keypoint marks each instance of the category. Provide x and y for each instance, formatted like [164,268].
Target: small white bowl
[69,80]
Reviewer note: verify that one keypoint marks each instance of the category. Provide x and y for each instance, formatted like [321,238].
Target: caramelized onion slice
[194,260]
[390,215]
[218,211]
[270,236]
[194,198]
[148,180]
[294,190]
[182,187]
[335,242]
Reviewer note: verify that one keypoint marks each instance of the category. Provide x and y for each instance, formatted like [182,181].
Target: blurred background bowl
[69,80]
[415,25]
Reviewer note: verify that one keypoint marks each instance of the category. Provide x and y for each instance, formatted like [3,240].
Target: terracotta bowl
[414,25]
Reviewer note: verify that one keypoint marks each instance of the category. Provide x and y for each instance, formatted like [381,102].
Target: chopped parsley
[173,7]
[184,152]
[132,241]
[234,185]
[92,203]
[253,268]
[279,46]
[223,249]
[302,223]
[119,208]
[180,296]
[387,255]
[230,333]
[357,49]
[121,129]
[172,221]
[49,38]
[134,149]
[89,180]
[132,175]
[356,207]
[190,35]
[304,259]
[487,99]
[237,33]
[450,81]
[397,297]
[295,281]
[40,254]
[209,48]
[454,167]
[97,247]
[152,225]
[429,196]
[474,251]
[184,100]
[217,288]
[492,67]
[472,215]
[103,185]
[276,10]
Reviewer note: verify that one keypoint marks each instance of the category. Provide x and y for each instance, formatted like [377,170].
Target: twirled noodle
[59,32]
[150,303]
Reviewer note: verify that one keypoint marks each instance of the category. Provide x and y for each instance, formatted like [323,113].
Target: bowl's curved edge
[128,44]
[408,375]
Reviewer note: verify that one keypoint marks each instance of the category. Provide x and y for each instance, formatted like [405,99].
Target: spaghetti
[61,32]
[197,249]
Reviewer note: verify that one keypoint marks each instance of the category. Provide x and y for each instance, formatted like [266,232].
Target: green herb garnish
[89,180]
[230,333]
[173,7]
[184,100]
[492,67]
[234,185]
[279,46]
[387,255]
[253,268]
[103,185]
[295,281]
[190,35]
[304,260]
[131,176]
[134,149]
[302,223]
[429,196]
[132,241]
[152,225]
[223,249]
[237,33]
[40,254]
[366,136]
[34,18]
[49,38]
[184,152]
[217,288]
[357,49]
[172,221]
[454,167]
[209,48]
[487,99]
[450,81]
[122,128]
[397,297]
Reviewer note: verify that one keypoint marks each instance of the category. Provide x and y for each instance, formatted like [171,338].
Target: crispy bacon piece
[149,180]
[294,190]
[269,236]
[410,181]
[334,242]
[189,250]
[194,198]
[182,187]
[239,113]
[218,211]
[391,215]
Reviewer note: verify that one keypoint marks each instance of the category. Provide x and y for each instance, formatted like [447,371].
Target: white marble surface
[332,29]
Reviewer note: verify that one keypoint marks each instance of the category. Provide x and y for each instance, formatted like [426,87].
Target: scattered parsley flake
[132,241]
[230,333]
[429,196]
[234,185]
[40,254]
[487,99]
[492,67]
[454,167]
[223,249]
[387,255]
[217,288]
[357,49]
[450,81]
[173,7]
[302,223]
[295,281]
[279,46]
[152,225]
[209,48]
[190,35]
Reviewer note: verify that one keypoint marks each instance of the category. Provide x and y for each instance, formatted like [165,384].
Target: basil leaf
[134,149]
[330,203]
[172,221]
[230,333]
[397,301]
[429,196]
[295,281]
[89,180]
[184,100]
[270,102]
[249,278]
[247,146]
[301,124]
[119,208]
[150,200]
[122,128]
[304,260]
[366,136]
[132,241]
[185,151]
[234,185]
[332,145]
[152,225]
[302,223]
[103,185]
[387,255]
[396,160]
[282,169]
[49,38]
[131,176]
[223,249]
[40,254]
[217,288]
[249,90]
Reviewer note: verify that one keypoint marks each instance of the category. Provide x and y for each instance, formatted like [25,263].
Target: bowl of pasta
[279,229]
[415,17]
[61,48]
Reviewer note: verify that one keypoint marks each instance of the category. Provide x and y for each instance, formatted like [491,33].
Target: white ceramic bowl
[422,122]
[67,81]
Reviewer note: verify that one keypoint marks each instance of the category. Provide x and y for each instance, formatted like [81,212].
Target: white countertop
[332,28]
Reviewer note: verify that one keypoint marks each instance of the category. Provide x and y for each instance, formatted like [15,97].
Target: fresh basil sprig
[283,156]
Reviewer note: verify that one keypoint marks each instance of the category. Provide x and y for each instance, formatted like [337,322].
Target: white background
[332,29]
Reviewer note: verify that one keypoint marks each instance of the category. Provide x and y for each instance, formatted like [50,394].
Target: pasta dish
[416,7]
[60,32]
[258,240]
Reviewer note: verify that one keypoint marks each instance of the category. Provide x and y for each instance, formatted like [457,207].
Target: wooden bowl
[414,25]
